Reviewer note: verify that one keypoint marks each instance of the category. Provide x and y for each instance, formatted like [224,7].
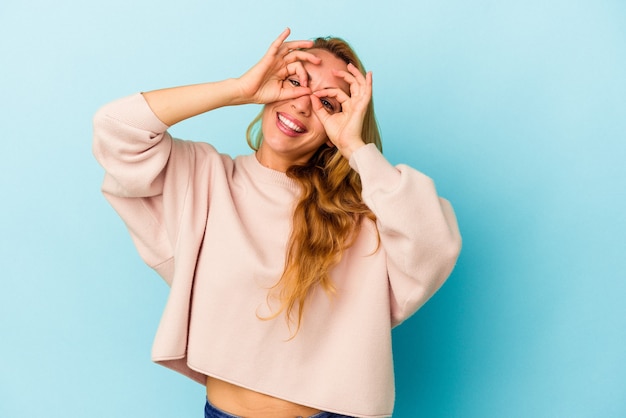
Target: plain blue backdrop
[517,109]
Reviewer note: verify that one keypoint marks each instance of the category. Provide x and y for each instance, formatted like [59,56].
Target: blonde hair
[328,214]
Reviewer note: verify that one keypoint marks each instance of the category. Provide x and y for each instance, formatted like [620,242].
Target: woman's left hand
[344,128]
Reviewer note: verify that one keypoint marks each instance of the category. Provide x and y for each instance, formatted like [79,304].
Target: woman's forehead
[321,75]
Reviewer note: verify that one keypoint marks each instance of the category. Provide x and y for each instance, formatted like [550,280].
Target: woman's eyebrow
[309,79]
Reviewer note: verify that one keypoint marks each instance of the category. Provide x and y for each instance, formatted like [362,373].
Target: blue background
[516,109]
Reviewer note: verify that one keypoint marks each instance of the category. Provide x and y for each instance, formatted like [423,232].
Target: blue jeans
[211,411]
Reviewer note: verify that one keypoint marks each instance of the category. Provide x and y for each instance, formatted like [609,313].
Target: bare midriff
[247,403]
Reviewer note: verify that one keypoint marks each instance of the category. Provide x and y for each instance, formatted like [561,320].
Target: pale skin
[311,98]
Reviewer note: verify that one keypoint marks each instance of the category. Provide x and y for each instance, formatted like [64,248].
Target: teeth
[290,124]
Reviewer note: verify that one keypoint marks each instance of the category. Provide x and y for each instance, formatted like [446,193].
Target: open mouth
[288,125]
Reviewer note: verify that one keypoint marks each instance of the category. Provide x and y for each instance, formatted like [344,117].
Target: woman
[288,267]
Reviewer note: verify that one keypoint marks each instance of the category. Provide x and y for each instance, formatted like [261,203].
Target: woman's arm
[418,229]
[176,104]
[262,84]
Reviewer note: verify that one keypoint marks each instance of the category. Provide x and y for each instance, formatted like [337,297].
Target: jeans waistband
[211,411]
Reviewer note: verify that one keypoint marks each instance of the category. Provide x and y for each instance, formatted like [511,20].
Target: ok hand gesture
[344,129]
[263,83]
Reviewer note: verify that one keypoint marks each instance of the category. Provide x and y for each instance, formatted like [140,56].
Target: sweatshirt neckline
[268,175]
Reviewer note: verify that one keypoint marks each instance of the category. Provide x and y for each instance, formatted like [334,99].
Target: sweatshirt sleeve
[149,177]
[418,229]
[132,145]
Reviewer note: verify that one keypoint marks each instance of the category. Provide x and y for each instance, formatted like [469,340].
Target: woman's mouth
[288,125]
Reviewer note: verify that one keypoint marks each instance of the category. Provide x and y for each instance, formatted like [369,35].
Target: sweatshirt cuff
[134,111]
[374,169]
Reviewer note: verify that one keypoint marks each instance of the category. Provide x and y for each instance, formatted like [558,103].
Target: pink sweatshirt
[215,228]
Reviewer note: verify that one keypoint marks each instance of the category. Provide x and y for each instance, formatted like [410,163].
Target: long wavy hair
[329,212]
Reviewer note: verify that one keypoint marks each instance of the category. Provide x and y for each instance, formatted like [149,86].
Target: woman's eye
[328,105]
[294,83]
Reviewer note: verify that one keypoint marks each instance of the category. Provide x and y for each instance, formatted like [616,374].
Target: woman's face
[291,131]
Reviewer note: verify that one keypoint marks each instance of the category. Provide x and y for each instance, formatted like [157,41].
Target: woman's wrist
[239,93]
[351,147]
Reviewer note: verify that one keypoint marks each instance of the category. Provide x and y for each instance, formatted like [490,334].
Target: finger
[346,76]
[352,75]
[279,43]
[367,78]
[365,87]
[359,84]
[348,103]
[303,56]
[298,69]
[338,94]
[294,93]
[281,38]
[354,70]
[295,45]
[318,109]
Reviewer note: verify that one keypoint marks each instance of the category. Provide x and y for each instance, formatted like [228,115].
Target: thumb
[294,93]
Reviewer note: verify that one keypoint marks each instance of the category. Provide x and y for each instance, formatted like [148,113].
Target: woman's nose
[302,105]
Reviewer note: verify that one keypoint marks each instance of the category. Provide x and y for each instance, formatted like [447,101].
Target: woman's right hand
[264,83]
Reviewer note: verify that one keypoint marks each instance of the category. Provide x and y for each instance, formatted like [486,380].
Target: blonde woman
[290,266]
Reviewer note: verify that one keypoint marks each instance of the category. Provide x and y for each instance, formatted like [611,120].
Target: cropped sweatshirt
[216,228]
